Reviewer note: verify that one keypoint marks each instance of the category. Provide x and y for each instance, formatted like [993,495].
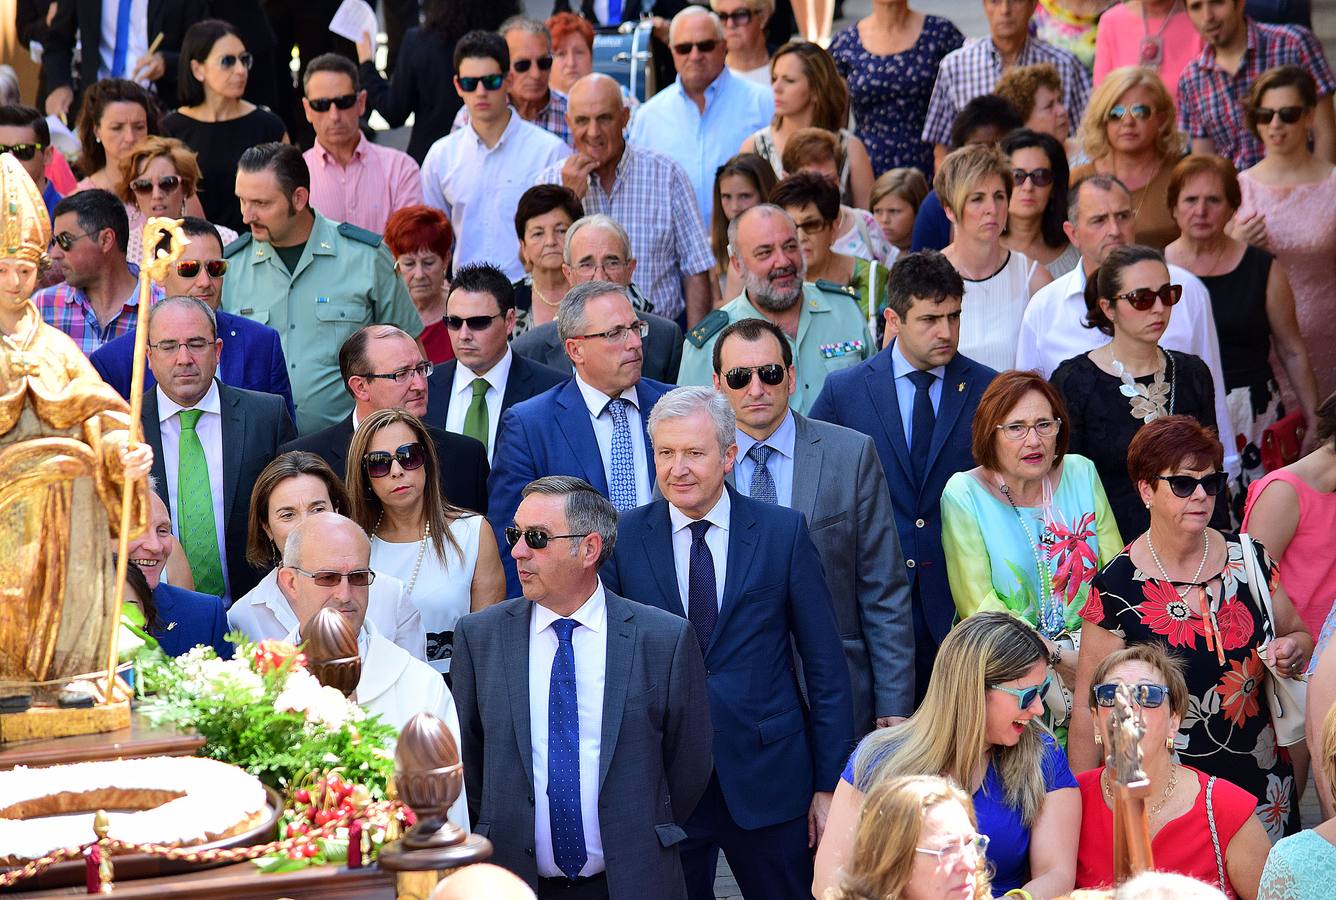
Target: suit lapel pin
[960,388]
[171,625]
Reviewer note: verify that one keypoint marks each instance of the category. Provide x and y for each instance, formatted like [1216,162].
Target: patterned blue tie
[762,483]
[702,600]
[563,757]
[623,488]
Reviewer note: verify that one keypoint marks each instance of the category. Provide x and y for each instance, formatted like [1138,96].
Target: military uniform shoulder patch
[241,243]
[830,287]
[361,235]
[707,328]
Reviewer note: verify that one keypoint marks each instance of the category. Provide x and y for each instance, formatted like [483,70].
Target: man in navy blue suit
[252,358]
[916,399]
[593,426]
[748,577]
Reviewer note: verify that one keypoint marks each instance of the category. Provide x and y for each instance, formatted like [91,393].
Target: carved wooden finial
[331,651]
[429,777]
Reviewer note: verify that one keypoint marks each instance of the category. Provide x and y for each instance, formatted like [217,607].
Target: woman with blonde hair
[160,177]
[917,838]
[977,725]
[1303,866]
[1129,131]
[444,554]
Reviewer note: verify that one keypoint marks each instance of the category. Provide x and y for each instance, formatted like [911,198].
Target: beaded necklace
[1052,619]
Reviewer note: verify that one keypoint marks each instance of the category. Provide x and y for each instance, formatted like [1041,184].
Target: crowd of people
[793,463]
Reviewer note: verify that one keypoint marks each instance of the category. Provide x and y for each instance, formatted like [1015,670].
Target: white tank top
[991,312]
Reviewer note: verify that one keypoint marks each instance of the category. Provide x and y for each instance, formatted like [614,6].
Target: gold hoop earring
[1169,743]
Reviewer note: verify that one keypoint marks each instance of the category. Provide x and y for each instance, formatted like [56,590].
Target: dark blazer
[187,619]
[255,425]
[840,488]
[252,359]
[527,379]
[422,86]
[863,398]
[770,753]
[662,348]
[551,434]
[654,749]
[463,461]
[81,21]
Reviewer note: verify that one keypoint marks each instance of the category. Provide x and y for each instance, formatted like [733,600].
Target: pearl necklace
[422,549]
[1196,579]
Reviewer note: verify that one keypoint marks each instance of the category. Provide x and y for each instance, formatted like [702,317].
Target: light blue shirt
[780,462]
[904,389]
[671,123]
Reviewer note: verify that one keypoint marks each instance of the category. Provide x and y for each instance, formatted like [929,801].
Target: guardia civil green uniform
[832,335]
[344,279]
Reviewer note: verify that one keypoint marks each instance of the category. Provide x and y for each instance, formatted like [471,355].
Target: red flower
[1093,611]
[1076,560]
[1166,613]
[1235,623]
[1239,687]
[271,655]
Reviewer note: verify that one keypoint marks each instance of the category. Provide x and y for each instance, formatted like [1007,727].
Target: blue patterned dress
[890,94]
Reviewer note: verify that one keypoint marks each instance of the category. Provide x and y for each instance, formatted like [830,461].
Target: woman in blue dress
[890,61]
[979,724]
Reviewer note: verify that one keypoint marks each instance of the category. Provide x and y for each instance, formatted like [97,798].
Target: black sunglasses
[26,152]
[1144,298]
[166,184]
[469,83]
[66,240]
[1149,696]
[1184,486]
[1288,114]
[684,48]
[344,101]
[1041,177]
[524,65]
[328,579]
[740,17]
[771,374]
[475,323]
[536,538]
[410,457]
[229,60]
[189,268]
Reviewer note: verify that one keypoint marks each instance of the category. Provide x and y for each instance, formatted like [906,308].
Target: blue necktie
[702,601]
[921,422]
[614,12]
[122,48]
[563,757]
[762,483]
[622,490]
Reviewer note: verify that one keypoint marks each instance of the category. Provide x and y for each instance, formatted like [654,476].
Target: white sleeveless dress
[991,312]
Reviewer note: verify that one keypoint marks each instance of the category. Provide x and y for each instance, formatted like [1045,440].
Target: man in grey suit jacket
[832,476]
[588,805]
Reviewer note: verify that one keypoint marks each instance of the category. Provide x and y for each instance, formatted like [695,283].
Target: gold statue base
[42,722]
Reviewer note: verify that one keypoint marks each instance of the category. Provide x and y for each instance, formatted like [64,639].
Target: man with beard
[825,327]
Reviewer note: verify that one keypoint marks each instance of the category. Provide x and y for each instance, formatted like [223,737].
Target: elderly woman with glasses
[421,240]
[445,555]
[1027,529]
[1187,810]
[1188,587]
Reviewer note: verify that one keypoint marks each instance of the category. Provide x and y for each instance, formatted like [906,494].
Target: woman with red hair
[422,240]
[572,50]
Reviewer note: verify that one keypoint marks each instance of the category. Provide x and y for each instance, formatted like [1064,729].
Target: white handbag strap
[1261,590]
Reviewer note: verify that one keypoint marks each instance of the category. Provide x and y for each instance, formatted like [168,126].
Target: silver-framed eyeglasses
[403,375]
[195,345]
[616,335]
[1017,431]
[972,843]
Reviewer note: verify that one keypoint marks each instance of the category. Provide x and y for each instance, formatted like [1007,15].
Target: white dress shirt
[590,645]
[1053,330]
[597,403]
[461,392]
[716,539]
[478,187]
[209,428]
[780,462]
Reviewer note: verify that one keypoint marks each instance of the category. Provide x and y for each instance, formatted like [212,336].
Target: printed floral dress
[1227,730]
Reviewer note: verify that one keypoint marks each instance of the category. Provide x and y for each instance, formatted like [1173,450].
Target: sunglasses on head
[1288,114]
[469,83]
[26,152]
[684,48]
[740,17]
[1146,695]
[409,456]
[1025,697]
[229,60]
[521,66]
[1143,299]
[1139,111]
[166,184]
[344,101]
[1041,177]
[536,538]
[739,378]
[475,323]
[1184,486]
[189,268]
[328,579]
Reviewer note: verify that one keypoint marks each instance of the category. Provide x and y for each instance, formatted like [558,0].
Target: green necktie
[194,496]
[475,420]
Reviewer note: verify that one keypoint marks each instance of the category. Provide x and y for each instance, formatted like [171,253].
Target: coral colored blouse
[1308,567]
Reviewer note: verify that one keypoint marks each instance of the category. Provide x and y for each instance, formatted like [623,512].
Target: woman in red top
[1200,826]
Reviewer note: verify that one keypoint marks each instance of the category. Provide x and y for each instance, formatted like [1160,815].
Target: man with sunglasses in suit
[352,179]
[254,356]
[530,91]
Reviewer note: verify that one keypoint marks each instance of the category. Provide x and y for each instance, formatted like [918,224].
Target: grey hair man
[610,704]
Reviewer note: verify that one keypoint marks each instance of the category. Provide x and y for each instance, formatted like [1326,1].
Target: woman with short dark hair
[544,214]
[114,116]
